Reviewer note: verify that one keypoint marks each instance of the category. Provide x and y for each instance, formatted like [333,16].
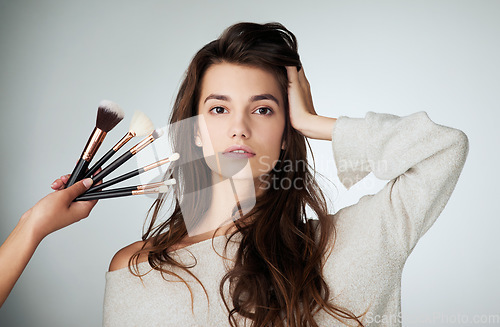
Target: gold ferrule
[124,140]
[93,144]
[156,164]
[148,186]
[141,145]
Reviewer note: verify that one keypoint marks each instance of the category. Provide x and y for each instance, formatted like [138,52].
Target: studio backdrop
[59,59]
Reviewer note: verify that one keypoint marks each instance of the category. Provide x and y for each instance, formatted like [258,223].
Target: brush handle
[128,189]
[78,173]
[102,195]
[114,181]
[115,164]
[100,163]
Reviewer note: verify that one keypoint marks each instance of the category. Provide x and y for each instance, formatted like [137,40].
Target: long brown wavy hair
[277,278]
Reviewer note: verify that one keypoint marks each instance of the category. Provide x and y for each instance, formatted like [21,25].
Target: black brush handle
[114,181]
[78,173]
[115,164]
[98,195]
[100,163]
[127,189]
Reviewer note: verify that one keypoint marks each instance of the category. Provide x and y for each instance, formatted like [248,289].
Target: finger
[78,188]
[302,78]
[56,184]
[60,183]
[64,179]
[292,73]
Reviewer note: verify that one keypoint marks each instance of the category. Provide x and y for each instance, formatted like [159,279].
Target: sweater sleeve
[421,159]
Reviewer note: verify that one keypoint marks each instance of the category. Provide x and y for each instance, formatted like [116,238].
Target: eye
[264,111]
[217,110]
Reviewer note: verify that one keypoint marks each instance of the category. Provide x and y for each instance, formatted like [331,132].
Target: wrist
[29,229]
[305,123]
[317,127]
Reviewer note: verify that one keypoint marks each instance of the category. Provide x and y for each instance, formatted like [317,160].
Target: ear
[197,141]
[197,137]
[283,145]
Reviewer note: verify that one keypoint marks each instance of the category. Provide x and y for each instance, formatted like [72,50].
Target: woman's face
[240,106]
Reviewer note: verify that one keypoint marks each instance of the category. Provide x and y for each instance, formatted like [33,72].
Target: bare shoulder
[122,257]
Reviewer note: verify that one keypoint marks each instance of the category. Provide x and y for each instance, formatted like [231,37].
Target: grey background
[58,59]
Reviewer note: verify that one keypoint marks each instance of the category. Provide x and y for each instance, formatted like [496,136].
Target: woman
[221,260]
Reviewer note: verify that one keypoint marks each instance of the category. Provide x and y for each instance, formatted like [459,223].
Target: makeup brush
[131,174]
[140,125]
[127,191]
[127,155]
[109,114]
[168,182]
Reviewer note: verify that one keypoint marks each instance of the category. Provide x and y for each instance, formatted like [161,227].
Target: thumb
[78,188]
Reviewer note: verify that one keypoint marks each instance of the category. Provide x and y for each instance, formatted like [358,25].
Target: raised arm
[421,159]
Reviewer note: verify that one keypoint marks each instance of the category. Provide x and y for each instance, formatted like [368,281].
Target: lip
[245,148]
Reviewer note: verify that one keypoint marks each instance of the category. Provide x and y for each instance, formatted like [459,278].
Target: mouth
[238,155]
[239,151]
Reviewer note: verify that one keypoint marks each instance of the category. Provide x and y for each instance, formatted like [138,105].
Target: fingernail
[87,182]
[53,185]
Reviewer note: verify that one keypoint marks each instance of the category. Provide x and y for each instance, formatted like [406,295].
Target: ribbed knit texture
[421,160]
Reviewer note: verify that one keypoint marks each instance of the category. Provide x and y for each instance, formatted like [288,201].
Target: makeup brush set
[109,114]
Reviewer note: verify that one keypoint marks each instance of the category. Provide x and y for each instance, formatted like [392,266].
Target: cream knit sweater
[422,161]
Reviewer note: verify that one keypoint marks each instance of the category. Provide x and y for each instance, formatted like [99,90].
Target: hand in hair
[53,212]
[303,117]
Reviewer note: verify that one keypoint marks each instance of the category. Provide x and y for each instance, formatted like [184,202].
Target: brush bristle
[170,181]
[109,115]
[157,133]
[141,124]
[174,157]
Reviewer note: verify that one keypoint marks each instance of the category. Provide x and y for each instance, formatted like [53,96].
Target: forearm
[317,127]
[15,254]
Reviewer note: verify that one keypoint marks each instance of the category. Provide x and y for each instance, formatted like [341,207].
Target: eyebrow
[254,98]
[266,96]
[217,97]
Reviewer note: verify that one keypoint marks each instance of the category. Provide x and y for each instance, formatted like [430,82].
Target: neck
[226,194]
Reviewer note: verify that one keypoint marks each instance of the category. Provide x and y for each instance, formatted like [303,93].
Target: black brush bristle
[109,115]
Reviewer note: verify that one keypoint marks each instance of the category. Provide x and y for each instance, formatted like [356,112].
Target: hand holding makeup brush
[55,211]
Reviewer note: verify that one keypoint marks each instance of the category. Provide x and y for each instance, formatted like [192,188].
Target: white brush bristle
[141,124]
[157,133]
[174,157]
[111,106]
[170,181]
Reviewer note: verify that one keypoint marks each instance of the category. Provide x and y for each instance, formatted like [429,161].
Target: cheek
[273,135]
[271,138]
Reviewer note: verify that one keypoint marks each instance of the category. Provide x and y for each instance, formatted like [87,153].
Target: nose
[239,127]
